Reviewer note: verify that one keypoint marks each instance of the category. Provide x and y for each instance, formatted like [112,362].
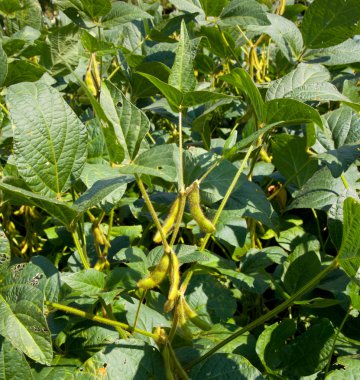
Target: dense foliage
[179,191]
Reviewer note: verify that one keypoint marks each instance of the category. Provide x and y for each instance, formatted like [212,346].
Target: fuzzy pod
[157,275]
[169,373]
[169,221]
[180,312]
[174,274]
[196,211]
[194,318]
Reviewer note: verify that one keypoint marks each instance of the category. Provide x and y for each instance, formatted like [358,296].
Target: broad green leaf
[322,189]
[329,22]
[270,344]
[342,54]
[303,264]
[336,216]
[303,355]
[290,157]
[349,254]
[21,312]
[172,94]
[182,72]
[131,358]
[49,139]
[130,123]
[191,6]
[226,365]
[195,98]
[23,71]
[3,65]
[93,8]
[159,161]
[122,13]
[243,13]
[349,368]
[213,8]
[284,33]
[100,192]
[300,77]
[290,112]
[13,364]
[89,282]
[5,253]
[242,80]
[64,49]
[95,45]
[59,210]
[61,368]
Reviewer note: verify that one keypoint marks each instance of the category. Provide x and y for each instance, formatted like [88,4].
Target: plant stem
[83,257]
[335,339]
[228,193]
[139,307]
[147,200]
[96,318]
[109,312]
[181,372]
[261,320]
[181,164]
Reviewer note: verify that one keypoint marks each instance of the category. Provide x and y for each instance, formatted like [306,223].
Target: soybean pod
[157,275]
[194,317]
[169,221]
[196,211]
[174,282]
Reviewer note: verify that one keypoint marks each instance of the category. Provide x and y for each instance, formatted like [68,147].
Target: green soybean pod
[169,221]
[196,212]
[194,318]
[174,275]
[157,275]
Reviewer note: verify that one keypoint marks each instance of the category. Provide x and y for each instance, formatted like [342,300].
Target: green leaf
[329,22]
[158,161]
[131,358]
[49,139]
[23,71]
[13,363]
[94,8]
[64,49]
[285,34]
[21,312]
[242,80]
[221,365]
[322,189]
[196,98]
[300,77]
[89,282]
[350,367]
[59,210]
[5,253]
[290,157]
[349,254]
[243,13]
[290,112]
[182,72]
[213,8]
[3,65]
[130,123]
[100,192]
[342,54]
[172,94]
[122,13]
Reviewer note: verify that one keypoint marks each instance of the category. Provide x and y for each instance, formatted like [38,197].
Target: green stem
[228,193]
[319,230]
[109,312]
[96,318]
[344,181]
[83,257]
[5,110]
[181,164]
[139,308]
[180,370]
[261,320]
[335,339]
[153,213]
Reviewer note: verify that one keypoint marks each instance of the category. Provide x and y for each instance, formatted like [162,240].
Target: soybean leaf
[122,13]
[13,363]
[92,8]
[242,80]
[290,157]
[159,161]
[303,75]
[59,210]
[3,65]
[21,310]
[5,253]
[285,33]
[182,72]
[23,71]
[329,22]
[350,367]
[349,254]
[243,13]
[213,8]
[89,282]
[50,142]
[233,365]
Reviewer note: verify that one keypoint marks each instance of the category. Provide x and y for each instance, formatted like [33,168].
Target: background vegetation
[179,189]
